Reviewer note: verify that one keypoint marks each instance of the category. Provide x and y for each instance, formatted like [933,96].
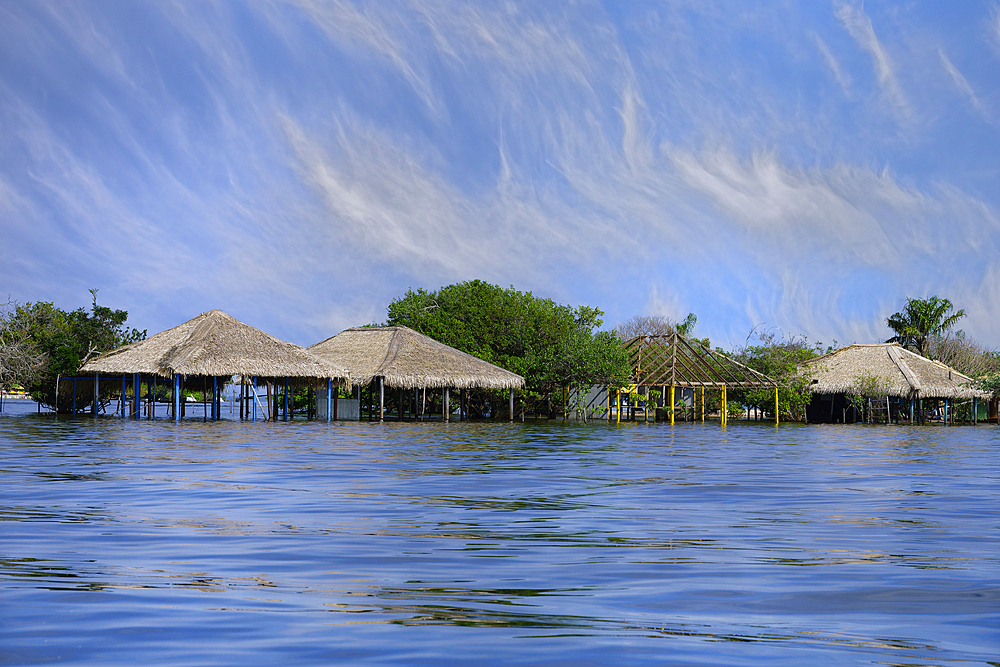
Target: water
[307,543]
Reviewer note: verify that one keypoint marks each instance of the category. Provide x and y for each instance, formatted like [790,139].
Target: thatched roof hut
[217,344]
[409,360]
[903,373]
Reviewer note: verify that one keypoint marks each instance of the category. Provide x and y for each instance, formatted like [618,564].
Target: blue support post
[215,397]
[177,397]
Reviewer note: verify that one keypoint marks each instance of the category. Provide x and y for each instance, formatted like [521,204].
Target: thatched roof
[675,360]
[905,374]
[216,344]
[408,360]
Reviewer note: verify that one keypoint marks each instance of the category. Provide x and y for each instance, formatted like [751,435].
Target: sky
[796,166]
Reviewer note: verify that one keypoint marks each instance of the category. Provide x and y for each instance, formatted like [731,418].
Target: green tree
[779,358]
[922,322]
[64,341]
[551,345]
[20,362]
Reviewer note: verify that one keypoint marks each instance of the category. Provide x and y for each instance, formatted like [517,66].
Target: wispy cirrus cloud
[962,84]
[859,25]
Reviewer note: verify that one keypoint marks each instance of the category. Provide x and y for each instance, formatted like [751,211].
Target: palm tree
[921,321]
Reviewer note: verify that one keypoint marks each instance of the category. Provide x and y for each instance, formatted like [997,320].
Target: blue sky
[299,164]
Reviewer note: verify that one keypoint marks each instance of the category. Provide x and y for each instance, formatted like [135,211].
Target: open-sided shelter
[902,379]
[401,358]
[672,360]
[211,347]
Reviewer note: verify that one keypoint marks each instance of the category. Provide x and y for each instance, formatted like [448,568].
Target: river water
[426,543]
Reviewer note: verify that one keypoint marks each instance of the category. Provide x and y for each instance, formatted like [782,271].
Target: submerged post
[381,398]
[512,405]
[725,406]
[776,406]
[255,400]
[445,408]
[329,398]
[672,405]
[177,397]
[97,394]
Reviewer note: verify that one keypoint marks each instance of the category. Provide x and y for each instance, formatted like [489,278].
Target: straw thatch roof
[905,374]
[216,344]
[675,360]
[409,360]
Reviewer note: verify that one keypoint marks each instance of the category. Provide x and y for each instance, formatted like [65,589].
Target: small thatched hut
[900,379]
[215,345]
[403,359]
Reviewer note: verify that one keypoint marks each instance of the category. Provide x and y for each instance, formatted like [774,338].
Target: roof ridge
[903,367]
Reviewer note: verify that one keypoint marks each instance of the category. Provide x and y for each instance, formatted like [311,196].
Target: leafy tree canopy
[777,357]
[921,322]
[551,345]
[64,340]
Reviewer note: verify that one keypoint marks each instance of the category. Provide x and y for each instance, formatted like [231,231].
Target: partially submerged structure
[202,355]
[402,359]
[675,361]
[897,383]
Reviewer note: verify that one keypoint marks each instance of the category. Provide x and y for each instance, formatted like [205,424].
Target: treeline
[553,346]
[39,342]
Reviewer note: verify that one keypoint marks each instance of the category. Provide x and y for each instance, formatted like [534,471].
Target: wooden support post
[254,400]
[511,405]
[445,408]
[329,398]
[135,397]
[381,398]
[703,404]
[215,398]
[285,411]
[97,394]
[177,397]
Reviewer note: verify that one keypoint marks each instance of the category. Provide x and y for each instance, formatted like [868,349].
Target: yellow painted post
[703,404]
[725,405]
[671,405]
[775,405]
[618,400]
[565,403]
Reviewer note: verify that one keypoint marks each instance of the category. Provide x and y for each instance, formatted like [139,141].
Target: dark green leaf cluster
[65,340]
[551,345]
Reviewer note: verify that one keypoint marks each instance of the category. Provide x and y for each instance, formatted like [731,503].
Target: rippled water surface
[308,543]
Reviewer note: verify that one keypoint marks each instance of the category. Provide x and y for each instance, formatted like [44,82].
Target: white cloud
[961,83]
[859,26]
[842,77]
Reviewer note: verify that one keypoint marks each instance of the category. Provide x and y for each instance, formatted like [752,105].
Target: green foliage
[989,382]
[552,346]
[778,358]
[64,341]
[866,388]
[922,321]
